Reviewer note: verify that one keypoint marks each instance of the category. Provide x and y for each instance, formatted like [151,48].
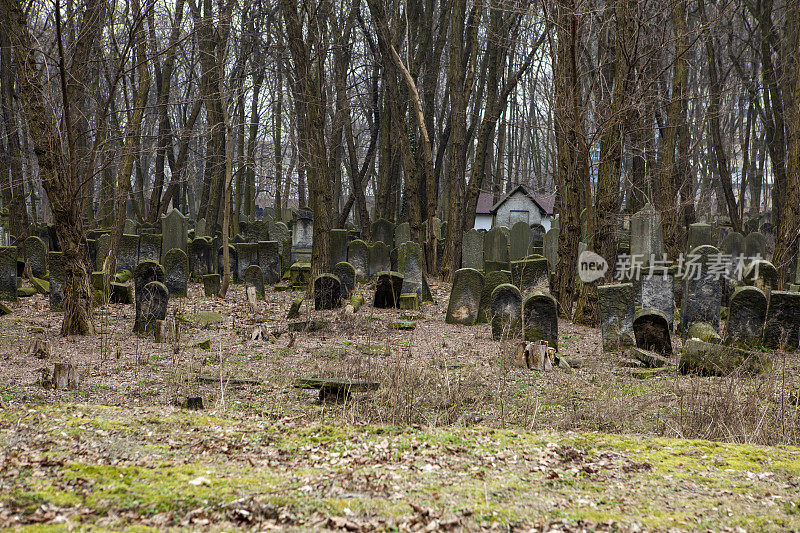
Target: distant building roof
[484,206]
[545,202]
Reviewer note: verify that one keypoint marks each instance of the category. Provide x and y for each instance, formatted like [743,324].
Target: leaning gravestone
[254,277]
[234,260]
[702,291]
[506,312]
[465,297]
[145,273]
[521,245]
[246,255]
[338,246]
[128,253]
[382,231]
[409,264]
[36,256]
[200,257]
[8,273]
[658,292]
[652,331]
[540,319]
[269,260]
[150,247]
[491,281]
[153,302]
[747,311]
[358,256]
[615,306]
[388,289]
[782,326]
[379,260]
[176,272]
[347,277]
[402,233]
[327,292]
[56,263]
[531,275]
[175,231]
[472,250]
[646,236]
[700,234]
[495,250]
[551,247]
[755,246]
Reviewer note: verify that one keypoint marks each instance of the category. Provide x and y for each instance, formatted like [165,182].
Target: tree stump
[65,376]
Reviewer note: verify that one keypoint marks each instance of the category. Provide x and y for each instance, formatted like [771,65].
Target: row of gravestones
[10,275]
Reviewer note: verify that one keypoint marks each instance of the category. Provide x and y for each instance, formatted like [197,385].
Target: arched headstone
[465,297]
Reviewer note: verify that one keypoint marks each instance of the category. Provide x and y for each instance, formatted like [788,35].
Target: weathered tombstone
[755,246]
[176,272]
[302,237]
[300,275]
[700,234]
[131,227]
[551,247]
[521,241]
[652,331]
[150,247]
[379,260]
[495,250]
[246,255]
[358,256]
[175,231]
[782,326]
[658,292]
[8,273]
[388,289]
[258,231]
[234,260]
[347,277]
[327,292]
[762,274]
[153,302]
[409,264]
[733,245]
[56,263]
[212,284]
[254,277]
[101,250]
[615,306]
[36,256]
[145,273]
[540,319]
[382,231]
[506,312]
[472,250]
[338,246]
[127,253]
[747,311]
[646,236]
[269,259]
[200,228]
[200,257]
[491,281]
[402,233]
[537,236]
[465,297]
[530,275]
[278,231]
[702,291]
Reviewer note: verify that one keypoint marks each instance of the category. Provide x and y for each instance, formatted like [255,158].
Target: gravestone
[379,260]
[491,281]
[537,236]
[700,234]
[402,234]
[36,256]
[472,250]
[540,319]
[254,277]
[145,273]
[658,292]
[127,253]
[358,256]
[733,245]
[278,231]
[302,237]
[176,272]
[465,297]
[747,311]
[646,236]
[652,331]
[327,292]
[56,262]
[551,247]
[246,255]
[234,260]
[409,264]
[755,246]
[200,257]
[506,312]
[200,228]
[382,231]
[521,244]
[101,251]
[150,247]
[153,302]
[300,275]
[530,275]
[761,274]
[338,246]
[175,231]
[258,231]
[781,329]
[388,289]
[8,273]
[702,293]
[269,260]
[615,307]
[212,284]
[131,227]
[347,277]
[495,250]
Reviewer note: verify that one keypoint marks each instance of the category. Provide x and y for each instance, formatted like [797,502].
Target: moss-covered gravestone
[540,319]
[402,234]
[150,247]
[8,273]
[279,232]
[338,246]
[382,231]
[465,297]
[56,263]
[200,257]
[153,302]
[472,250]
[495,250]
[212,284]
[755,245]
[707,359]
[615,306]
[347,277]
[388,288]
[700,234]
[506,312]
[36,256]
[782,326]
[657,291]
[246,255]
[747,311]
[530,275]
[254,277]
[234,260]
[409,264]
[327,292]
[490,281]
[269,259]
[300,275]
[175,231]
[379,258]
[176,269]
[145,273]
[127,253]
[646,235]
[652,331]
[702,290]
[521,242]
[761,274]
[358,256]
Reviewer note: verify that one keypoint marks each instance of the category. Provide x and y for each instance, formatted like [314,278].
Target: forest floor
[455,437]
